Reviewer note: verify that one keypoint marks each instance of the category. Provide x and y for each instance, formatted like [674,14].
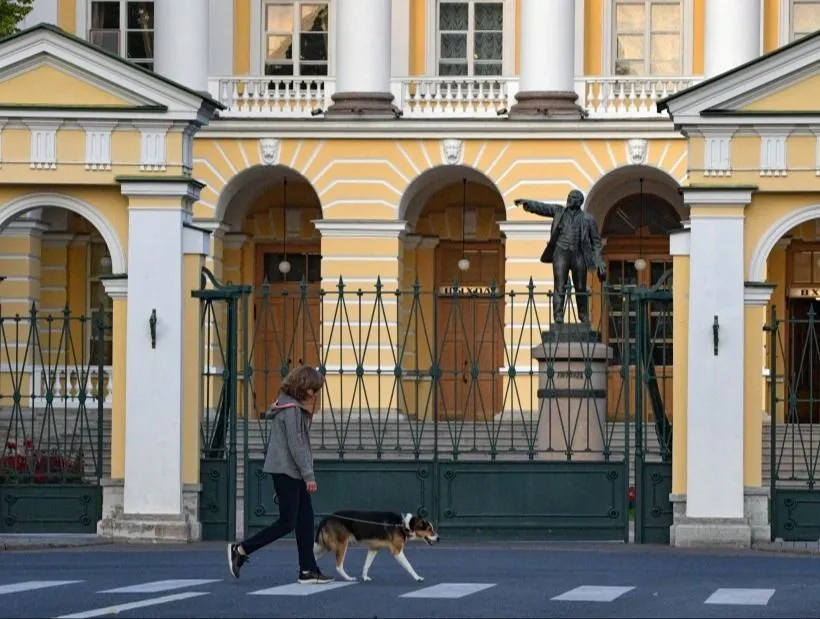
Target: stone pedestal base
[549,105]
[743,532]
[572,395]
[119,526]
[366,105]
[162,528]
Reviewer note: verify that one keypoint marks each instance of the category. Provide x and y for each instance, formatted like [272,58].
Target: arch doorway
[457,253]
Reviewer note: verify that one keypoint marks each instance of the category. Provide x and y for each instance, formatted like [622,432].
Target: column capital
[195,240]
[234,240]
[116,286]
[718,195]
[216,228]
[58,239]
[360,228]
[25,227]
[757,294]
[185,188]
[680,240]
[416,241]
[522,230]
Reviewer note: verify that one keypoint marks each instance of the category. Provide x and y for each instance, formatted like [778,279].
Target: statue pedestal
[572,393]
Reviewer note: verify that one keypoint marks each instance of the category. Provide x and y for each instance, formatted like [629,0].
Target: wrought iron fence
[52,397]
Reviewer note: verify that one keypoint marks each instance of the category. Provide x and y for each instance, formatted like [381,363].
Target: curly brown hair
[300,381]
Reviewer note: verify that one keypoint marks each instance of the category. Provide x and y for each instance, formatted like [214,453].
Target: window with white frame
[300,26]
[99,264]
[470,37]
[648,37]
[805,18]
[125,28]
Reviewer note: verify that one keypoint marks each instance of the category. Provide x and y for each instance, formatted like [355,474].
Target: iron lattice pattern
[451,374]
[52,392]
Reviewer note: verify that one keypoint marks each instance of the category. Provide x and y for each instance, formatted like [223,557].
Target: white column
[732,34]
[715,416]
[154,385]
[547,84]
[181,41]
[547,46]
[363,58]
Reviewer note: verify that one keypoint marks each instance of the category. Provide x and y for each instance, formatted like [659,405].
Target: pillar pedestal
[572,372]
[370,105]
[557,105]
[753,528]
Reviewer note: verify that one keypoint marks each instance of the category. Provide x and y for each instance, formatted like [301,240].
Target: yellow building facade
[356,195]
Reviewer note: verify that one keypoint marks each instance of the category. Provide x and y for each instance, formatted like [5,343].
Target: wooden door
[804,360]
[287,327]
[470,332]
[622,273]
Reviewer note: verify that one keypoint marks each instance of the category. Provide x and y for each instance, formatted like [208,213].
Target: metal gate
[794,441]
[431,405]
[54,415]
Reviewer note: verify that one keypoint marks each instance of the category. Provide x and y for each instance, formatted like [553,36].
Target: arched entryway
[61,275]
[636,208]
[274,246]
[456,254]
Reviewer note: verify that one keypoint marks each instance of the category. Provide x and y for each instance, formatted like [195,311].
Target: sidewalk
[779,546]
[41,541]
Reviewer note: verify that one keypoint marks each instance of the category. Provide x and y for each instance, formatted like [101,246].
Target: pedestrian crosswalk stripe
[158,586]
[33,585]
[301,590]
[592,594]
[110,610]
[448,590]
[741,597]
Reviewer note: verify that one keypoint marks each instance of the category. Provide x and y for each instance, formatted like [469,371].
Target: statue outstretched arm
[545,209]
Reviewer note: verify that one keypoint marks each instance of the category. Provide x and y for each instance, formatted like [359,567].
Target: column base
[743,532]
[161,528]
[547,105]
[119,526]
[365,105]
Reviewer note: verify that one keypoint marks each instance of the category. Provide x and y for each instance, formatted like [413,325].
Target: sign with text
[469,291]
[804,293]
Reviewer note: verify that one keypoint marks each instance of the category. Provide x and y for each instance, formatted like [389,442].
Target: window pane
[630,47]
[105,15]
[805,18]
[629,67]
[664,47]
[452,69]
[314,18]
[279,69]
[453,16]
[488,46]
[801,267]
[140,44]
[109,40]
[630,18]
[314,46]
[279,18]
[453,46]
[280,47]
[665,67]
[488,16]
[140,15]
[313,69]
[487,68]
[666,17]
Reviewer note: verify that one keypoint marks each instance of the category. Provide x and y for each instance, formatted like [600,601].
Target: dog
[376,530]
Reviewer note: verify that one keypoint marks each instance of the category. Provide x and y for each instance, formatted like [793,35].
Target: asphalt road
[461,580]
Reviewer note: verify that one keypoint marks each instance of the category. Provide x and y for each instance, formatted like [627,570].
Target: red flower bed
[39,467]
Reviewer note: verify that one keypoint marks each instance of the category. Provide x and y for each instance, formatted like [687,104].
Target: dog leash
[381,524]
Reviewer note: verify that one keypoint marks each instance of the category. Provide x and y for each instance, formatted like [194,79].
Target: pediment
[775,88]
[45,70]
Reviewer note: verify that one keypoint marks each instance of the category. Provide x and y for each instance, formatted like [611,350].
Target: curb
[24,541]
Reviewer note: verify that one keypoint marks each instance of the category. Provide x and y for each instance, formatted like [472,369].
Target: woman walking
[289,460]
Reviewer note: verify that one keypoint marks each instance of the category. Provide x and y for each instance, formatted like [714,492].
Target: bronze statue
[574,246]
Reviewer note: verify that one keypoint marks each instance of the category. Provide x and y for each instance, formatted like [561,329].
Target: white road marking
[33,585]
[448,590]
[158,586]
[741,597]
[110,610]
[301,590]
[592,594]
